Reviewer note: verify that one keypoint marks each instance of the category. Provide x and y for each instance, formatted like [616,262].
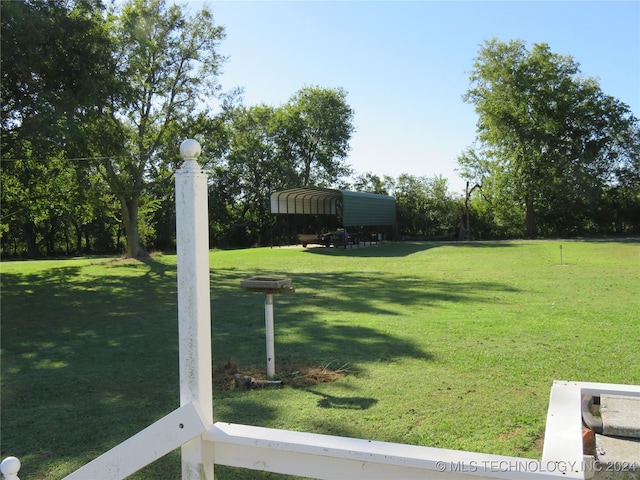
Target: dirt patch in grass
[225,375]
[123,260]
[517,432]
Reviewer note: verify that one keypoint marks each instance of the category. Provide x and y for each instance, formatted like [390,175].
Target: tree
[370,183]
[312,133]
[254,169]
[554,139]
[492,209]
[170,64]
[426,209]
[56,72]
[269,148]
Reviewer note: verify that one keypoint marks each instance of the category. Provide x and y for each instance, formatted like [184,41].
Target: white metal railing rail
[329,457]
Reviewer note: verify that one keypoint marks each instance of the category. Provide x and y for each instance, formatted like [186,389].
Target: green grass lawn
[451,345]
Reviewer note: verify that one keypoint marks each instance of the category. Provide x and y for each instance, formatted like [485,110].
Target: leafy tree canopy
[549,138]
[170,63]
[57,70]
[313,131]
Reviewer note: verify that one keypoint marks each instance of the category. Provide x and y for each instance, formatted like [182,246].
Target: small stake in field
[560,255]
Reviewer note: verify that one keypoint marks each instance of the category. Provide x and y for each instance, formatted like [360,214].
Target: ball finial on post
[190,150]
[10,467]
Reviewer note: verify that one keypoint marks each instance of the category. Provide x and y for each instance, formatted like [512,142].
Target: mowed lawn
[451,345]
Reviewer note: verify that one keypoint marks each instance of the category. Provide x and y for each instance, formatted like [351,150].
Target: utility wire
[78,159]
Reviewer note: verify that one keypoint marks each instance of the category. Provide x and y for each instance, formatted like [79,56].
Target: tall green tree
[254,169]
[554,139]
[170,63]
[312,131]
[57,71]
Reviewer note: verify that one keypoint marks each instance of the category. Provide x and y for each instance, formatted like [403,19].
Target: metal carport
[358,209]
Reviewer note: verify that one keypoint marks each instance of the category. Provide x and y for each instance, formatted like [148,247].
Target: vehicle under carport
[356,209]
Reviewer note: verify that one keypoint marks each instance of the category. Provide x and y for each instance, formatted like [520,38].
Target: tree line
[96,100]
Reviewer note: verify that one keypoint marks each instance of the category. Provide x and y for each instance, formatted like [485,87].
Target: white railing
[328,457]
[204,444]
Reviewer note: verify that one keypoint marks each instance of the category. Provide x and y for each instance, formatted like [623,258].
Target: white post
[194,310]
[268,320]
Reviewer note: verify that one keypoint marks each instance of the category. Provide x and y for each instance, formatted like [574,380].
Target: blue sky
[406,64]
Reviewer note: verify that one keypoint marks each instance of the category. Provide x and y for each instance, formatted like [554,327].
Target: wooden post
[194,310]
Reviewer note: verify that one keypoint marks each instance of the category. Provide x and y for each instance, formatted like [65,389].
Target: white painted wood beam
[155,441]
[330,457]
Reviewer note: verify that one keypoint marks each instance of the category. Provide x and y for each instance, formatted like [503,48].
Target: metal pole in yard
[194,310]
[271,351]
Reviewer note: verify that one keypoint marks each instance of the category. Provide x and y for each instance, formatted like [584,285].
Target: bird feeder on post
[269,286]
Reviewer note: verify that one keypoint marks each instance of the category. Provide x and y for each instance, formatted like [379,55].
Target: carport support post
[268,320]
[194,310]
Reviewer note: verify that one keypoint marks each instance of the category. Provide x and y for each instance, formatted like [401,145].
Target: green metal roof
[358,208]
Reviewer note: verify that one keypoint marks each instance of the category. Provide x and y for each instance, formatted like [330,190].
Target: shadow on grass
[90,352]
[332,316]
[400,249]
[89,357]
[349,403]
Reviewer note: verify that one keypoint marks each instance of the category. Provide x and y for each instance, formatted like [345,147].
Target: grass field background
[450,345]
